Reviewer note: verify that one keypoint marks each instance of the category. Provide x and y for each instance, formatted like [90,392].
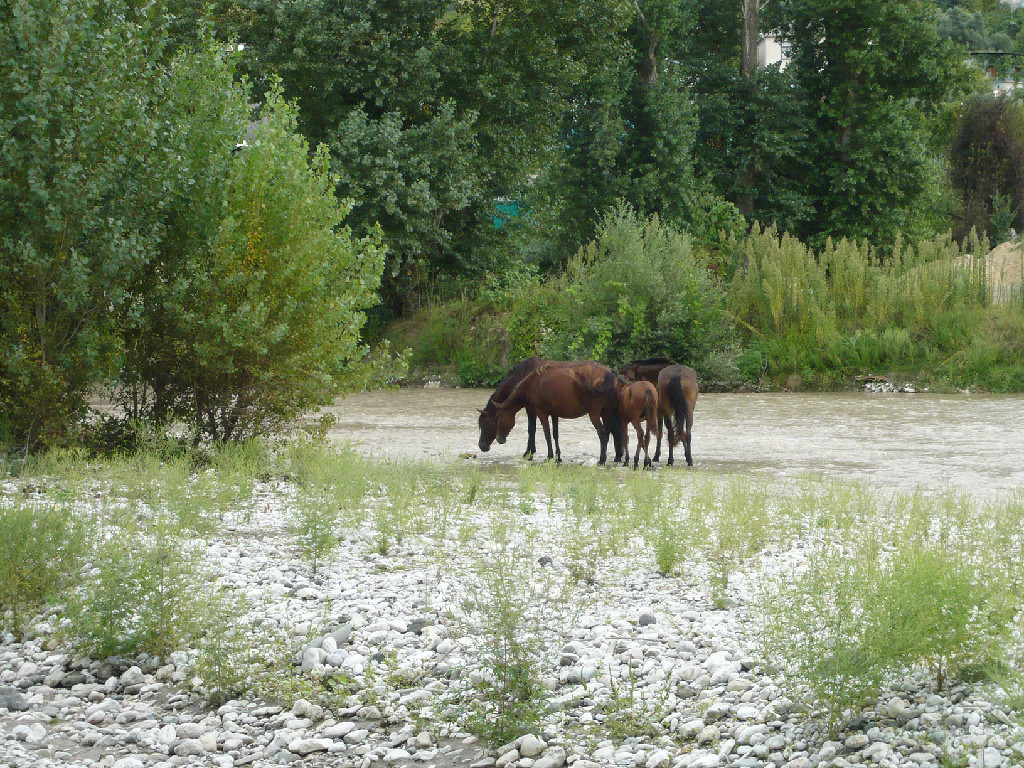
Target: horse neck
[508,385]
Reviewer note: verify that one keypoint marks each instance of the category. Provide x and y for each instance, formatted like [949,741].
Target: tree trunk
[748,42]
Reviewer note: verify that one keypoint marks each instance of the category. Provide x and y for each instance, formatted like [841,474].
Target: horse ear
[479,410]
[499,406]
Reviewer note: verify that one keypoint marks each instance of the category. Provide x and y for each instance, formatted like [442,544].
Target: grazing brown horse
[638,402]
[566,392]
[488,419]
[677,397]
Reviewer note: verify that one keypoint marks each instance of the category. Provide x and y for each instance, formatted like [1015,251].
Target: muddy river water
[970,441]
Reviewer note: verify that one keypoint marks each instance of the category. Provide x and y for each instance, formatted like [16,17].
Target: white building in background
[772,49]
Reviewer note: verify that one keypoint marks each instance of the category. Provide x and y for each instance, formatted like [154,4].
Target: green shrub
[141,593]
[940,593]
[849,308]
[636,290]
[281,284]
[43,544]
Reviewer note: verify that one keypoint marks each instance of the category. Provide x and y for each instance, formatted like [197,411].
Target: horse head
[629,371]
[504,420]
[488,423]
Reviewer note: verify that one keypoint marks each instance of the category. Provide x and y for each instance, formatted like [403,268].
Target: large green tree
[77,79]
[431,110]
[258,320]
[871,70]
[627,132]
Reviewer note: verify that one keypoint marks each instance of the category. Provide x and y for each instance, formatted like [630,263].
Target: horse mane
[512,379]
[522,384]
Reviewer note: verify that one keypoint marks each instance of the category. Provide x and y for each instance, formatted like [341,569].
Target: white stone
[552,758]
[308,746]
[531,746]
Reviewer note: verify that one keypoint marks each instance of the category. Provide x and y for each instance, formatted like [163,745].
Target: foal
[638,402]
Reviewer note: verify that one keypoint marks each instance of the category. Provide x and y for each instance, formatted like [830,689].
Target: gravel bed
[398,628]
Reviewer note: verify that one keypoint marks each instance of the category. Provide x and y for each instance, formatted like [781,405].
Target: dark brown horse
[488,419]
[677,397]
[646,369]
[567,392]
[638,402]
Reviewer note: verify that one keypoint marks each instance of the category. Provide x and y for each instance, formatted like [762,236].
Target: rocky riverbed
[637,669]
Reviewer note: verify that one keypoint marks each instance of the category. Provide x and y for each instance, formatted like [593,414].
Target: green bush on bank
[926,310]
[638,289]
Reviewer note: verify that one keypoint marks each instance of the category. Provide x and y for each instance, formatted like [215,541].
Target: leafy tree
[76,81]
[987,165]
[266,318]
[430,110]
[870,70]
[751,144]
[628,133]
[198,123]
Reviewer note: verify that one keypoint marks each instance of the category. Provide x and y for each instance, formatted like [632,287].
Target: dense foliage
[477,147]
[987,165]
[78,79]
[141,251]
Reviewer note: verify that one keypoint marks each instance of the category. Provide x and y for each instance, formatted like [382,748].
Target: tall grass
[851,308]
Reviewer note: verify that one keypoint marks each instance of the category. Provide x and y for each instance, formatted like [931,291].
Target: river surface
[969,441]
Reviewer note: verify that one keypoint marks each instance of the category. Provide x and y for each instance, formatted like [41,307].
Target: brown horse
[638,402]
[565,392]
[646,369]
[488,419]
[677,397]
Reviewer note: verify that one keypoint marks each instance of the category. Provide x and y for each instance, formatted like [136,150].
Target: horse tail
[521,386]
[651,407]
[678,401]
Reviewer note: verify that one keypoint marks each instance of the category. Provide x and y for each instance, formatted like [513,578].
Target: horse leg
[639,443]
[647,445]
[625,450]
[531,434]
[661,425]
[671,459]
[554,429]
[547,435]
[686,439]
[602,435]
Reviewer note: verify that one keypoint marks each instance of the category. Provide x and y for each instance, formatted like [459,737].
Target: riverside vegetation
[559,614]
[758,309]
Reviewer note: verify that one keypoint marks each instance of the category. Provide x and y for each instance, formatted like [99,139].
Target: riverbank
[400,613]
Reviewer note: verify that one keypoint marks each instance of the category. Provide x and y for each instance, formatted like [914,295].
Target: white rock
[209,741]
[659,758]
[128,762]
[509,756]
[552,758]
[357,736]
[308,746]
[857,741]
[339,730]
[531,746]
[189,748]
[991,758]
[189,730]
